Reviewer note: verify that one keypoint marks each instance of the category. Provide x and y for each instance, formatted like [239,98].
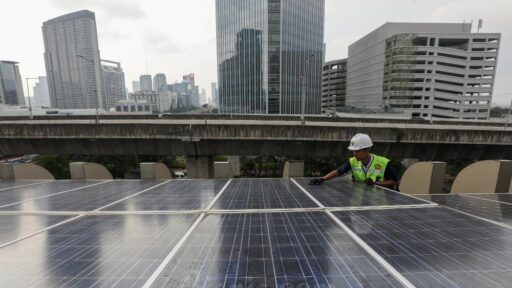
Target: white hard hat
[360,141]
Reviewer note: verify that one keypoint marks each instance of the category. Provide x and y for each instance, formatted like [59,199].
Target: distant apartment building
[72,59]
[113,83]
[11,85]
[270,56]
[145,83]
[135,86]
[435,70]
[334,85]
[41,93]
[132,106]
[160,102]
[159,81]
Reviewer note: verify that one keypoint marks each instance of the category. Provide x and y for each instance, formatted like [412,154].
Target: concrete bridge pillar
[200,167]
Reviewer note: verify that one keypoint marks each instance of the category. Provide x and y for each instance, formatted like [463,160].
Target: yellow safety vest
[375,170]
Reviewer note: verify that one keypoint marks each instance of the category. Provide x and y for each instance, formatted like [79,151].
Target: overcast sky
[178,36]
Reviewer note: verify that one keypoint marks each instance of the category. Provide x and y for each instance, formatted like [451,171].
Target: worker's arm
[333,174]
[391,178]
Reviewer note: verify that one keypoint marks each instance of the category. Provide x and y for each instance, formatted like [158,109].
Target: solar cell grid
[344,193]
[99,251]
[263,194]
[495,211]
[25,193]
[501,197]
[86,199]
[8,184]
[437,247]
[272,250]
[175,195]
[13,227]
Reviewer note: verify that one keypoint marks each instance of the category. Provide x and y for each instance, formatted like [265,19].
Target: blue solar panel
[99,251]
[13,227]
[491,210]
[437,247]
[25,193]
[345,193]
[175,195]
[8,184]
[272,250]
[263,194]
[86,199]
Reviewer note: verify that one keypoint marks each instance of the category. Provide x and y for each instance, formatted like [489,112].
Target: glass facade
[11,92]
[270,55]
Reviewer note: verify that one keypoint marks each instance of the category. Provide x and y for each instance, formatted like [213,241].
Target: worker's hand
[316,181]
[370,182]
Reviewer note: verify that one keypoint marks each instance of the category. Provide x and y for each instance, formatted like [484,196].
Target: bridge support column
[200,167]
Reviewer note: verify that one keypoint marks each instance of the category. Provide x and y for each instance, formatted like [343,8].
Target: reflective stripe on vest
[376,169]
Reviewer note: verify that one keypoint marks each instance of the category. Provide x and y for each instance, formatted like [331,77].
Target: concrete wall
[423,178]
[223,170]
[490,176]
[24,171]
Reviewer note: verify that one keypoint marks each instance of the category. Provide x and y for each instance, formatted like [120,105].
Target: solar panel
[14,227]
[263,194]
[491,210]
[272,250]
[86,199]
[8,184]
[343,193]
[501,197]
[437,247]
[175,195]
[25,193]
[99,251]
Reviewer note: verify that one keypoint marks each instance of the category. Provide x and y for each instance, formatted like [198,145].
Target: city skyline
[130,33]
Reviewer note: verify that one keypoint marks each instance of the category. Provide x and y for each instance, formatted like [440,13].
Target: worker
[365,166]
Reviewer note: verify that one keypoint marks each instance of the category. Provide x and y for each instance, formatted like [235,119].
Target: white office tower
[41,93]
[72,60]
[135,86]
[113,83]
[425,70]
[145,83]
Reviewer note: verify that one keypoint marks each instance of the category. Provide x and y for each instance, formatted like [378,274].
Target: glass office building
[270,55]
[11,86]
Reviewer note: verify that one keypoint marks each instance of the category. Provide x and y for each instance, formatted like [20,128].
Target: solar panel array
[249,233]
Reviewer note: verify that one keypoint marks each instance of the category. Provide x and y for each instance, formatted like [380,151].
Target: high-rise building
[145,83]
[135,86]
[439,70]
[113,83]
[11,85]
[41,93]
[215,93]
[72,60]
[204,98]
[270,55]
[159,80]
[334,85]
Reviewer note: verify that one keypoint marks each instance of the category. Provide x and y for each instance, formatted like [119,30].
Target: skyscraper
[11,85]
[215,93]
[145,83]
[41,93]
[113,83]
[72,59]
[159,80]
[135,86]
[270,55]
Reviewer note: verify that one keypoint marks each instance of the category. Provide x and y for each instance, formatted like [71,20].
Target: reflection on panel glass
[263,194]
[175,195]
[40,190]
[14,227]
[345,193]
[437,247]
[491,210]
[99,251]
[86,199]
[272,250]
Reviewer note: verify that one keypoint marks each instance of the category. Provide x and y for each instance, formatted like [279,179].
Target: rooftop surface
[249,233]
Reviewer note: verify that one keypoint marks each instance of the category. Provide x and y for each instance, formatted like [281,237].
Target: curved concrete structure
[88,171]
[491,176]
[293,168]
[154,171]
[423,178]
[24,171]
